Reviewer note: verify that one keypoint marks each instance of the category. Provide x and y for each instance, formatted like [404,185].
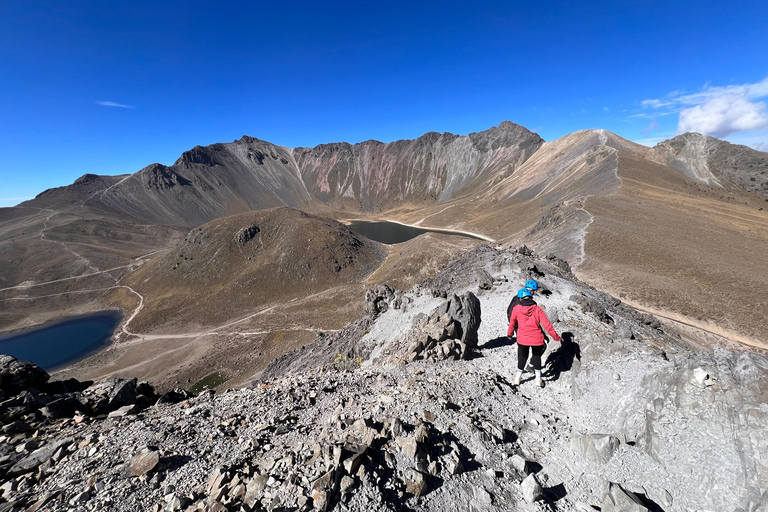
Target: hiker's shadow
[501,341]
[561,360]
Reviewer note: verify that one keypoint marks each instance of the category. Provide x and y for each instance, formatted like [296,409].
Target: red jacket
[528,319]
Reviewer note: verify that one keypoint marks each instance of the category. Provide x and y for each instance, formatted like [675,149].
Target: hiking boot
[516,382]
[540,383]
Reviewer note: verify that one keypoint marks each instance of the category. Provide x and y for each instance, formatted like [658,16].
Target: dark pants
[522,356]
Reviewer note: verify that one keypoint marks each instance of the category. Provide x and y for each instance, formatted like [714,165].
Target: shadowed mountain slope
[214,181]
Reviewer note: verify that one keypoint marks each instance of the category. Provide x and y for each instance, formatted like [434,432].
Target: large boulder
[598,448]
[378,299]
[616,499]
[449,332]
[16,375]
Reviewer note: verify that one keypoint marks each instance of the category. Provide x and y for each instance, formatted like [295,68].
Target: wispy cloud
[653,125]
[113,104]
[715,110]
[651,115]
[761,146]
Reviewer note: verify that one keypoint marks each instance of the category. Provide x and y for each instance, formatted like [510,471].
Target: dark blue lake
[63,342]
[393,233]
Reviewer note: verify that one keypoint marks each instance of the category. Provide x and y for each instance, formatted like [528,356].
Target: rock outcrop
[716,162]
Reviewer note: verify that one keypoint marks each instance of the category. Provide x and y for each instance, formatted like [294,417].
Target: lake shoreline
[381,224]
[41,344]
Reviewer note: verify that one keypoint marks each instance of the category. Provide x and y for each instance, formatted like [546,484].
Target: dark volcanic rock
[16,375]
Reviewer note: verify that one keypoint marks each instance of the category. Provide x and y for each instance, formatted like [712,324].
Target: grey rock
[347,483]
[484,280]
[409,446]
[80,498]
[531,488]
[16,375]
[123,393]
[616,499]
[520,464]
[39,456]
[598,448]
[123,411]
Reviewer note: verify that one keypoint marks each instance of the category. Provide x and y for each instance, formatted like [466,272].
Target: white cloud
[654,103]
[760,146]
[724,115]
[717,111]
[113,104]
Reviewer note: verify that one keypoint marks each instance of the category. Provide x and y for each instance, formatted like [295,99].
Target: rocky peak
[715,162]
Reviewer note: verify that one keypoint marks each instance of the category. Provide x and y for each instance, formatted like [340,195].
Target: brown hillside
[248,261]
[676,245]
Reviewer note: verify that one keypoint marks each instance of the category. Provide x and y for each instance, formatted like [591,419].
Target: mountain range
[679,230]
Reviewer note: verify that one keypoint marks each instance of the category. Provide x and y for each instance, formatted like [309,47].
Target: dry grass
[667,242]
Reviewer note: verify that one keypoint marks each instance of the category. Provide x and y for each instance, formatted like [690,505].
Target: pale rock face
[714,162]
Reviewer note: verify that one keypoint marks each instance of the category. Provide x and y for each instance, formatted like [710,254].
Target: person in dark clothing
[531,286]
[529,319]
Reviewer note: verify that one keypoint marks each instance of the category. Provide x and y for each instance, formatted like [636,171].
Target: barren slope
[247,261]
[675,245]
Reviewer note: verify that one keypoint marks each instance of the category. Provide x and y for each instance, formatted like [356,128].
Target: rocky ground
[413,408]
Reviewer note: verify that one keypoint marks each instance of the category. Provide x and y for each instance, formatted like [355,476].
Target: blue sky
[110,87]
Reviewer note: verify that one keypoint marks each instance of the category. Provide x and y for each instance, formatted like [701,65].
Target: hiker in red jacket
[528,318]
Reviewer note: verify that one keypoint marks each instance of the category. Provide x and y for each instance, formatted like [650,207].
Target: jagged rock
[532,489]
[174,396]
[215,507]
[80,499]
[16,375]
[123,411]
[701,378]
[593,307]
[409,446]
[415,482]
[667,498]
[378,299]
[39,456]
[175,503]
[449,332]
[484,280]
[616,499]
[144,461]
[347,483]
[44,499]
[454,465]
[320,499]
[123,393]
[16,427]
[520,464]
[598,448]
[255,488]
